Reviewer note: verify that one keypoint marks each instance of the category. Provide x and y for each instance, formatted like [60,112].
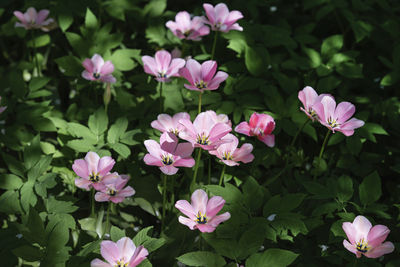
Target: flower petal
[187,209]
[208,70]
[377,235]
[199,201]
[379,251]
[163,59]
[149,65]
[169,169]
[350,231]
[350,247]
[98,63]
[99,263]
[105,165]
[110,252]
[188,222]
[189,163]
[214,205]
[344,111]
[140,254]
[81,169]
[101,197]
[216,220]
[107,68]
[362,226]
[126,248]
[243,128]
[152,161]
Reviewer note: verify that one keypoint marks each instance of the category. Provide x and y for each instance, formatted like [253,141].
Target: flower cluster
[324,109]
[94,172]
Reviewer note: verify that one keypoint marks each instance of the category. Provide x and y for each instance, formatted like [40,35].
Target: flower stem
[214,45]
[161,101]
[209,169]
[221,178]
[164,177]
[321,152]
[107,96]
[35,59]
[172,192]
[201,93]
[196,167]
[298,132]
[108,217]
[92,202]
[183,49]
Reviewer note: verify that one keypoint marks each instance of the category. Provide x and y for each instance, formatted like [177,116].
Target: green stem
[107,96]
[183,49]
[222,175]
[196,167]
[209,170]
[161,101]
[214,45]
[321,152]
[201,93]
[108,217]
[299,131]
[172,192]
[92,202]
[164,177]
[35,59]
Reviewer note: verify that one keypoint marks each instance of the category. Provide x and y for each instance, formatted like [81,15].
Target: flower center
[227,156]
[201,85]
[187,33]
[362,246]
[167,159]
[202,139]
[94,177]
[162,75]
[312,113]
[201,218]
[174,131]
[111,192]
[332,122]
[96,75]
[121,263]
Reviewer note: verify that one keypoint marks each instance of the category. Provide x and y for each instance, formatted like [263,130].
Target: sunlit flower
[365,239]
[309,98]
[92,170]
[202,213]
[202,76]
[169,155]
[204,132]
[2,108]
[122,253]
[114,189]
[166,123]
[260,125]
[98,70]
[162,66]
[221,19]
[185,28]
[220,118]
[31,19]
[337,118]
[230,154]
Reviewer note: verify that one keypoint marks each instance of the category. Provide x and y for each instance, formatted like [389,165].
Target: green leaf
[121,149]
[69,65]
[375,128]
[344,189]
[314,57]
[253,194]
[9,202]
[350,70]
[117,130]
[285,203]
[331,45]
[272,257]
[390,78]
[116,233]
[28,253]
[28,197]
[39,168]
[58,206]
[10,181]
[251,240]
[32,152]
[98,122]
[65,21]
[36,227]
[122,59]
[39,41]
[370,189]
[155,8]
[79,130]
[80,145]
[90,20]
[202,258]
[38,83]
[255,60]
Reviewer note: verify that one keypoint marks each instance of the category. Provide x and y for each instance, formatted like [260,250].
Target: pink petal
[105,165]
[31,15]
[183,21]
[185,73]
[203,30]
[377,252]
[152,161]
[307,97]
[88,65]
[108,78]
[83,183]
[20,16]
[188,222]
[88,76]
[110,251]
[194,69]
[176,65]
[180,116]
[140,254]
[190,132]
[210,13]
[350,231]
[208,70]
[243,128]
[219,131]
[329,106]
[149,65]
[221,12]
[235,26]
[187,209]
[243,154]
[92,160]
[163,123]
[107,68]
[199,201]
[344,111]
[185,163]
[99,263]
[362,226]
[126,192]
[117,199]
[184,150]
[168,142]
[193,88]
[102,197]
[269,140]
[80,167]
[169,169]
[98,63]
[219,78]
[154,148]
[163,59]
[216,220]
[126,248]
[214,205]
[350,247]
[41,16]
[233,17]
[205,228]
[377,235]
[348,127]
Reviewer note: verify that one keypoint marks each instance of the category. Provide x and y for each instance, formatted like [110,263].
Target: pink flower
[221,19]
[92,170]
[162,66]
[336,118]
[166,123]
[260,125]
[204,132]
[309,98]
[33,20]
[202,213]
[230,154]
[185,28]
[201,77]
[217,118]
[365,239]
[121,253]
[169,154]
[2,108]
[98,70]
[114,189]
